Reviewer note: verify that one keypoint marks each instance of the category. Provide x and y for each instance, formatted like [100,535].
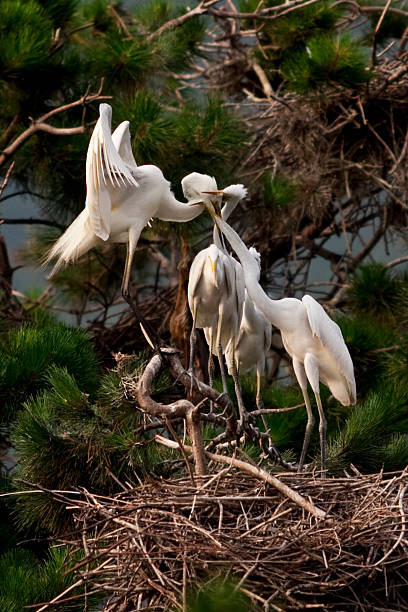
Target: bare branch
[41,125]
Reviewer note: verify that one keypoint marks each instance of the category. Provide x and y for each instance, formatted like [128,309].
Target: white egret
[253,341]
[121,198]
[311,338]
[216,286]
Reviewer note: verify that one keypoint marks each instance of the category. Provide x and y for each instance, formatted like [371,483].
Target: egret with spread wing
[121,198]
[312,339]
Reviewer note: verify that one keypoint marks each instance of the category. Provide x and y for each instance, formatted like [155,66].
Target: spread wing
[121,140]
[329,333]
[104,168]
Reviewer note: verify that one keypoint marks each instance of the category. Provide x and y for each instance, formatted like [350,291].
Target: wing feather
[329,333]
[104,168]
[267,334]
[240,289]
[122,142]
[196,270]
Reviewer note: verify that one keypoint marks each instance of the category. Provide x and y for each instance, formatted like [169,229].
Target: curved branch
[41,125]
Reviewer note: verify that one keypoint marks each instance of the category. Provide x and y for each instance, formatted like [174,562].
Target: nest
[147,547]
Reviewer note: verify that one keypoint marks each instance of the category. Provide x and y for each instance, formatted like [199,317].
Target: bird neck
[226,211]
[271,309]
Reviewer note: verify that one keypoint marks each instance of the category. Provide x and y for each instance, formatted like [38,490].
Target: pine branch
[179,21]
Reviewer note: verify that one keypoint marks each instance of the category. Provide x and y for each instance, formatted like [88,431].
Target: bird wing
[267,334]
[240,289]
[104,168]
[121,140]
[194,278]
[329,333]
[229,276]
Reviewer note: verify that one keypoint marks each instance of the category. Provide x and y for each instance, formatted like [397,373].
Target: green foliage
[375,434]
[63,441]
[396,362]
[8,536]
[180,45]
[123,60]
[327,60]
[279,191]
[60,11]
[27,354]
[177,45]
[376,291]
[293,31]
[208,135]
[368,341]
[26,581]
[28,51]
[218,596]
[152,129]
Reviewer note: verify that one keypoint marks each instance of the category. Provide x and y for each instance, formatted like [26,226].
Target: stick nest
[146,547]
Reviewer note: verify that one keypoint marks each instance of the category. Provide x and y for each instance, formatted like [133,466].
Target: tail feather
[77,239]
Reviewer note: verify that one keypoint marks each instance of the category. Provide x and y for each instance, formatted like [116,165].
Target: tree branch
[41,125]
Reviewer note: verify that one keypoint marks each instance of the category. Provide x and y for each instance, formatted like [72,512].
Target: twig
[41,125]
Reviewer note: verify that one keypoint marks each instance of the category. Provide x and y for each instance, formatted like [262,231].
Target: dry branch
[40,124]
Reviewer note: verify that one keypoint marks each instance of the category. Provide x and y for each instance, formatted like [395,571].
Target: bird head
[202,189]
[193,186]
[231,195]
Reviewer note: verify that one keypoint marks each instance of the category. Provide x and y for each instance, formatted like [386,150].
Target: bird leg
[259,400]
[211,366]
[309,427]
[322,431]
[146,328]
[220,354]
[300,374]
[193,341]
[243,415]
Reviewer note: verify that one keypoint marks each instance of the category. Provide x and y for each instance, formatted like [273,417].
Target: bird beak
[214,208]
[219,192]
[197,204]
